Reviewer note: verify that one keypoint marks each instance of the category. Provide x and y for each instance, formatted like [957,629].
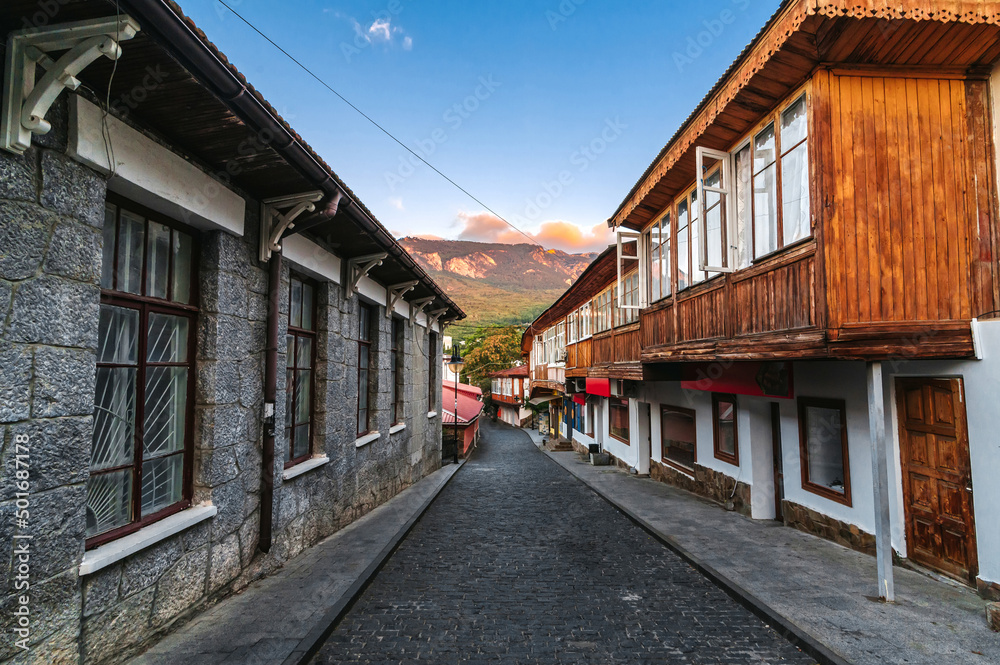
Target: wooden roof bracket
[277,215]
[358,267]
[25,103]
[395,293]
[433,316]
[417,306]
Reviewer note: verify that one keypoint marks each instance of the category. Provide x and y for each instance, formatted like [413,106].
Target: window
[778,156]
[299,361]
[677,437]
[724,428]
[823,447]
[432,382]
[396,370]
[630,285]
[716,239]
[683,245]
[585,321]
[590,418]
[605,310]
[619,419]
[573,328]
[365,375]
[560,343]
[659,259]
[141,448]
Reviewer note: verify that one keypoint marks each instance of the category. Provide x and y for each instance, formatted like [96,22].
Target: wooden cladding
[910,234]
[779,299]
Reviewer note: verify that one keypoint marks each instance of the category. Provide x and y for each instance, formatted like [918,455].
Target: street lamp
[455,365]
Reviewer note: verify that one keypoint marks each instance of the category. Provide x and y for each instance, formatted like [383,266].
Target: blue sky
[547,111]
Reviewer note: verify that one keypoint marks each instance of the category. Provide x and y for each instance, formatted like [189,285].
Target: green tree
[491,350]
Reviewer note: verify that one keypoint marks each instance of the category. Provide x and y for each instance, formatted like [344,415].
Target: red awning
[580,398]
[599,387]
[758,379]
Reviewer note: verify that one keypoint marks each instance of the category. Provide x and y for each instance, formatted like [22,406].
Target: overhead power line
[376,124]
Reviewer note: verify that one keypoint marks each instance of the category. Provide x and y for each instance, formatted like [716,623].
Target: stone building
[154,459]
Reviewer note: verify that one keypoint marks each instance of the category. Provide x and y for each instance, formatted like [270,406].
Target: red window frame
[613,404]
[146,305]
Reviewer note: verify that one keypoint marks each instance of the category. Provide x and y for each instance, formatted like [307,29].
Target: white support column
[880,482]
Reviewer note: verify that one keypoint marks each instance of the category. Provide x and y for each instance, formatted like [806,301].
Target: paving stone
[516,561]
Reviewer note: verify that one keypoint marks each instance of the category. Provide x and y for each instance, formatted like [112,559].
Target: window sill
[363,441]
[303,467]
[399,427]
[432,414]
[109,553]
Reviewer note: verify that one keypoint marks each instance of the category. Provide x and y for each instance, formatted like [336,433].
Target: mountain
[497,284]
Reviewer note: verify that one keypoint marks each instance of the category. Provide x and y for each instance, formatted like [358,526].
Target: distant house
[212,354]
[468,409]
[811,261]
[509,393]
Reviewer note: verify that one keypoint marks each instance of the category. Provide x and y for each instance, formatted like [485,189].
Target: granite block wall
[51,216]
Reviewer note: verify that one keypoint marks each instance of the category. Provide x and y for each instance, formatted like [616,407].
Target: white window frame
[629,237]
[725,192]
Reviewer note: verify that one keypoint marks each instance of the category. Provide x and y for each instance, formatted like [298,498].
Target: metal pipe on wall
[270,396]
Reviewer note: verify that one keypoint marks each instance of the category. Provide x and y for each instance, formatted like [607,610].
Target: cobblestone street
[518,562]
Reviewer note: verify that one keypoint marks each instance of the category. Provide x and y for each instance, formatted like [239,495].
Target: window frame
[145,305]
[663,458]
[432,367]
[296,332]
[365,310]
[812,487]
[397,362]
[620,402]
[722,455]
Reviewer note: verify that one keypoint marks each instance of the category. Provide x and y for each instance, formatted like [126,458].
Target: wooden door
[937,476]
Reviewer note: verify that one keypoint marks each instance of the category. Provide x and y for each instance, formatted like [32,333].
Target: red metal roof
[469,406]
[520,370]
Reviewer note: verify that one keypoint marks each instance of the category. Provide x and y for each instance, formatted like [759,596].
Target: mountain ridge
[497,283]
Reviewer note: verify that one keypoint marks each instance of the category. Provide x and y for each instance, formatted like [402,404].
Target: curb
[782,625]
[314,639]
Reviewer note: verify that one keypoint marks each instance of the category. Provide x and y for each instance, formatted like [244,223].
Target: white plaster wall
[981,379]
[150,174]
[835,380]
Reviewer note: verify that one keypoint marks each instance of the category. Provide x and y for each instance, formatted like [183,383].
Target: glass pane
[118,335]
[303,396]
[303,352]
[131,232]
[683,256]
[763,149]
[654,267]
[109,501]
[289,396]
[295,305]
[713,214]
[290,351]
[182,268]
[301,444]
[108,251]
[677,430]
[165,410]
[365,324]
[113,443]
[168,337]
[794,124]
[743,206]
[162,482]
[765,212]
[795,194]
[727,427]
[157,260]
[307,306]
[824,447]
[695,226]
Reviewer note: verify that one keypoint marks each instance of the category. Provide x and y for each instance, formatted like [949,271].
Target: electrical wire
[376,124]
[109,148]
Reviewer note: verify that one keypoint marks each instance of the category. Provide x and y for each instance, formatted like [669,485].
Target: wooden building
[835,261]
[509,391]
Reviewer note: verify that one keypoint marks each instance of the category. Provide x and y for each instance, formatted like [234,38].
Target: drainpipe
[270,395]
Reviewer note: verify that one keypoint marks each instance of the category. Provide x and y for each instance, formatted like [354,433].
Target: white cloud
[407,43]
[380,30]
[396,202]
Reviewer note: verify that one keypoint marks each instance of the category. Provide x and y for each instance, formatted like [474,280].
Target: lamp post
[455,365]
